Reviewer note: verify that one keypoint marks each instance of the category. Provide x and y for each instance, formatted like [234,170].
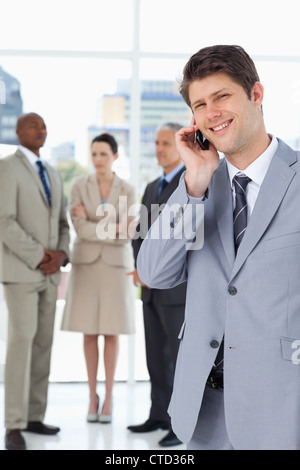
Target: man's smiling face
[224,113]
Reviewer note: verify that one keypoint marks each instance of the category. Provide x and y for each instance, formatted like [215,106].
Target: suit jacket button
[232,290]
[214,344]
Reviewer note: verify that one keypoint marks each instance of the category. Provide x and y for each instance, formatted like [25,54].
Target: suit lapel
[93,191]
[272,191]
[113,196]
[34,174]
[224,210]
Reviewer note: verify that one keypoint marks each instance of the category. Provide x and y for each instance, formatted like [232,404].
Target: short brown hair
[230,60]
[108,139]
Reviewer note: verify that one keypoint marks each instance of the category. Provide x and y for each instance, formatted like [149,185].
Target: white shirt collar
[29,155]
[257,170]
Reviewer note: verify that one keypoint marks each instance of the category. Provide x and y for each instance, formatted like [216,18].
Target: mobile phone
[202,141]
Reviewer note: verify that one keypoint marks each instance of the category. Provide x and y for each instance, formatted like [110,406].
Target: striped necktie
[44,181]
[240,182]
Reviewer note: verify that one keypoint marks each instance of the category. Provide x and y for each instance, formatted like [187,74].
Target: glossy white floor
[67,409]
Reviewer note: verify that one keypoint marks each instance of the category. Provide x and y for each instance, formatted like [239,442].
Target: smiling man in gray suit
[34,244]
[237,380]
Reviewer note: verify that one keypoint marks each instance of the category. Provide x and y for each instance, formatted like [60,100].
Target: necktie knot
[240,182]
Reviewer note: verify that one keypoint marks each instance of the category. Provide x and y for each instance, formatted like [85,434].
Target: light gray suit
[27,226]
[252,299]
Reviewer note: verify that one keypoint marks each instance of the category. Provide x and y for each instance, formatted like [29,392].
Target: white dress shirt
[32,158]
[256,172]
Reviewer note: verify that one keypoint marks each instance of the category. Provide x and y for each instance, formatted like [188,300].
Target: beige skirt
[100,300]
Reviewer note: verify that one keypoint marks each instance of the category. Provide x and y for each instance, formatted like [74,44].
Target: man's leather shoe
[149,425]
[40,428]
[170,440]
[14,440]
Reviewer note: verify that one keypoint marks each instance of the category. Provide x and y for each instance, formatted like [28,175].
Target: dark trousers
[162,326]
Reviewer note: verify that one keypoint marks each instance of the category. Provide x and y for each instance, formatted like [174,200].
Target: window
[71,25]
[115,65]
[8,134]
[9,121]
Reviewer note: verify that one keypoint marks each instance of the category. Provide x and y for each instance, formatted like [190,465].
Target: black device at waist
[215,378]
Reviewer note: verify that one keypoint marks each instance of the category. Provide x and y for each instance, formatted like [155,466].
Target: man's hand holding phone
[200,164]
[203,143]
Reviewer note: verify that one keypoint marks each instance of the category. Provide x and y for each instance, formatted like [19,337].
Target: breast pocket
[290,349]
[283,241]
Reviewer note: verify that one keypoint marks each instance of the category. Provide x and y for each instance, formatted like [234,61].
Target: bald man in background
[34,244]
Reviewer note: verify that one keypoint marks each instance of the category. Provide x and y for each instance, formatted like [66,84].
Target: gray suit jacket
[27,223]
[253,299]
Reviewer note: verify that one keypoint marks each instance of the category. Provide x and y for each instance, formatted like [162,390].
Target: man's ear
[257,94]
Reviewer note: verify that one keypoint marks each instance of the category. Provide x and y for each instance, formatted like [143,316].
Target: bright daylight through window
[114,66]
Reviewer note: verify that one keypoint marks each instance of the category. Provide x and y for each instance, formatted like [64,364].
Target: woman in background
[100,297]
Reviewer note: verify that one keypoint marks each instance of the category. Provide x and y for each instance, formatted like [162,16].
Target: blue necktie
[44,181]
[163,183]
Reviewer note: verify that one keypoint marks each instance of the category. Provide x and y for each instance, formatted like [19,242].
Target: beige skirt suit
[100,297]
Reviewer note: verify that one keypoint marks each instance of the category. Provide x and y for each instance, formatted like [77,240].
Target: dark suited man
[163,310]
[34,244]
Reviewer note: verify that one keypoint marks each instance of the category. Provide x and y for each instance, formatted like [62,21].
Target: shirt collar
[29,155]
[172,173]
[257,170]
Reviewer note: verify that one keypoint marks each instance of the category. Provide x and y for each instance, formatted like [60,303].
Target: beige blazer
[27,223]
[89,245]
